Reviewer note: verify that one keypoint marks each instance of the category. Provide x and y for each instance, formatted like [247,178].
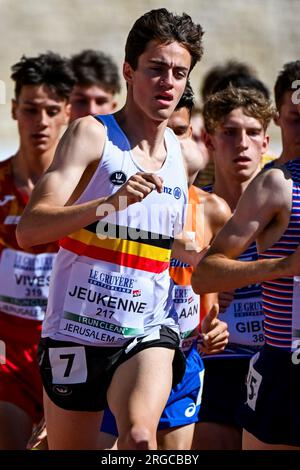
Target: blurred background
[263,33]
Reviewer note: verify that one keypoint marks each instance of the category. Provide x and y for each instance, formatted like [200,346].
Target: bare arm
[193,159]
[216,214]
[211,214]
[262,211]
[187,251]
[47,216]
[214,331]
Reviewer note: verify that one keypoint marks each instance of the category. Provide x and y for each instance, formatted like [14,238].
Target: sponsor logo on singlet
[176,192]
[118,178]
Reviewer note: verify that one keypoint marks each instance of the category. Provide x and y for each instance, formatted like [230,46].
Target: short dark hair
[187,100]
[253,102]
[93,67]
[289,73]
[166,27]
[221,71]
[241,81]
[48,69]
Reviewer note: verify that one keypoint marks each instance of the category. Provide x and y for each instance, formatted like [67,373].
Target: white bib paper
[245,321]
[104,308]
[24,283]
[187,306]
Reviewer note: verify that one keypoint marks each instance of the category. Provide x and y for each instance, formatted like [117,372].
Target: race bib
[245,321]
[253,383]
[24,283]
[104,308]
[187,306]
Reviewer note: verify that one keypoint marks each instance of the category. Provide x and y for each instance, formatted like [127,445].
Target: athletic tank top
[244,315]
[110,279]
[185,302]
[24,275]
[281,297]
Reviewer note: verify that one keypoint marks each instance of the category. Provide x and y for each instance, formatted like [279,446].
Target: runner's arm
[265,199]
[193,159]
[48,217]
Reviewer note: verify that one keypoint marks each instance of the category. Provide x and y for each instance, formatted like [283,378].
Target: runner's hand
[136,189]
[214,333]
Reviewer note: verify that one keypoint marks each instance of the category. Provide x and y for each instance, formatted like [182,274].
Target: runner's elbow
[201,280]
[197,283]
[25,235]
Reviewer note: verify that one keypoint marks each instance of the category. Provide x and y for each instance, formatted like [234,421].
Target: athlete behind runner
[109,298]
[40,107]
[245,81]
[236,120]
[268,212]
[97,83]
[287,99]
[216,78]
[207,213]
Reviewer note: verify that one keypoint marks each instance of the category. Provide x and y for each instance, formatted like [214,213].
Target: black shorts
[224,390]
[272,408]
[76,377]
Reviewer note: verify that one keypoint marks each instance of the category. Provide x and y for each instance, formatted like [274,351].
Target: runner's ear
[128,72]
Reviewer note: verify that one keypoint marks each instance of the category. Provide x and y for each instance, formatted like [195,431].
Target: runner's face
[289,122]
[160,78]
[238,145]
[86,100]
[40,115]
[179,122]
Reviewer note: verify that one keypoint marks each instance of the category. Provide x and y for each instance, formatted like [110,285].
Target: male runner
[109,297]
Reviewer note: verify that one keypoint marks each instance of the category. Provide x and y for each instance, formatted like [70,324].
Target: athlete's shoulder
[86,126]
[219,208]
[209,198]
[216,209]
[271,179]
[82,144]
